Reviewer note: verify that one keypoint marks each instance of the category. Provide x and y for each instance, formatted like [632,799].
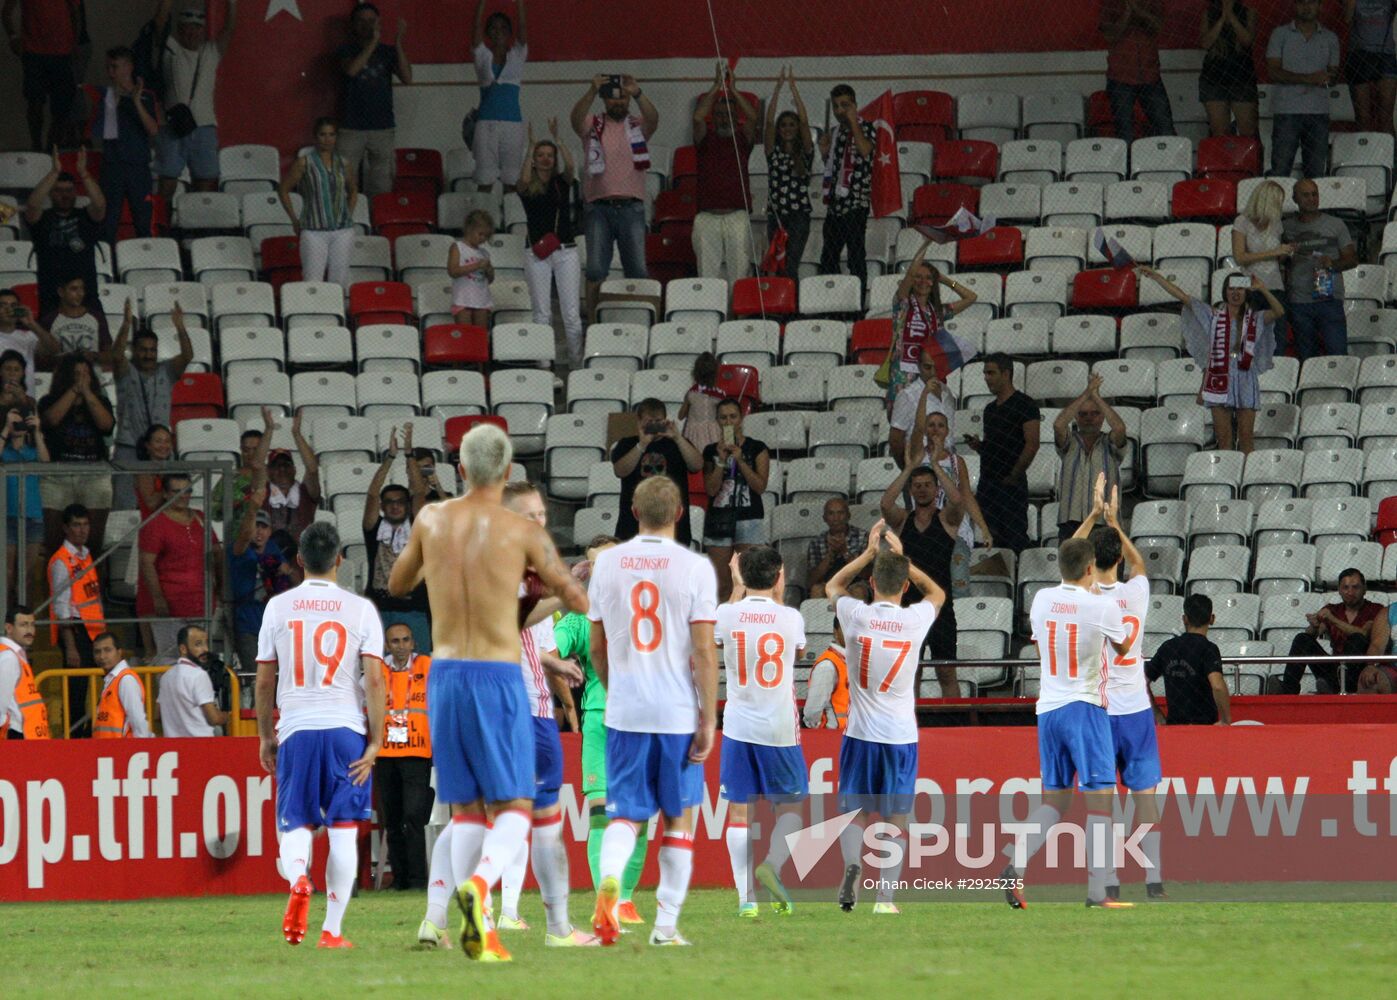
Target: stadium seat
[1150,336]
[208,213]
[1177,382]
[216,259]
[815,480]
[1100,160]
[370,259]
[783,431]
[422,256]
[616,346]
[507,256]
[1377,427]
[1368,156]
[1161,158]
[1372,331]
[1341,519]
[851,387]
[1038,294]
[1238,616]
[452,344]
[250,348]
[1137,201]
[309,347]
[1059,115]
[1022,337]
[1101,121]
[762,297]
[966,160]
[1121,380]
[344,439]
[248,392]
[1017,203]
[1385,531]
[280,259]
[989,116]
[1056,249]
[1168,435]
[323,394]
[668,386]
[1056,380]
[1212,475]
[697,300]
[388,347]
[1327,380]
[795,386]
[1204,200]
[159,301]
[1282,522]
[524,398]
[312,303]
[454,393]
[1272,474]
[210,440]
[841,435]
[1034,162]
[831,294]
[819,342]
[522,344]
[1105,288]
[1284,569]
[197,395]
[1366,284]
[1328,425]
[380,302]
[1229,157]
[673,209]
[17,262]
[668,256]
[391,395]
[924,115]
[264,217]
[1283,615]
[1278,384]
[934,204]
[248,169]
[573,444]
[148,261]
[1366,557]
[742,383]
[1220,522]
[872,476]
[1164,567]
[1218,569]
[242,303]
[676,345]
[418,170]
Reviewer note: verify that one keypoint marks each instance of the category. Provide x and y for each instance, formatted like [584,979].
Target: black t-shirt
[550,211]
[1185,662]
[1004,436]
[735,492]
[76,437]
[661,456]
[368,97]
[65,247]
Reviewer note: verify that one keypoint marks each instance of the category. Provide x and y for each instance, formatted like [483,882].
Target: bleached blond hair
[485,455]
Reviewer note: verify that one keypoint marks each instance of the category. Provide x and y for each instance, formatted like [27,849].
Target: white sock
[888,877]
[1043,818]
[1149,844]
[851,844]
[467,834]
[295,853]
[1099,848]
[676,866]
[339,875]
[502,843]
[779,851]
[439,881]
[551,872]
[616,846]
[739,850]
[512,882]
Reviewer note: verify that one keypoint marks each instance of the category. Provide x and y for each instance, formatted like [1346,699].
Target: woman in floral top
[789,153]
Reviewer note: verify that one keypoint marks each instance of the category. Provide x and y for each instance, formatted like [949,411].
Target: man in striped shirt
[1086,453]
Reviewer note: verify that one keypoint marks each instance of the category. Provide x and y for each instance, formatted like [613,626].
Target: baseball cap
[278,455]
[192,15]
[264,518]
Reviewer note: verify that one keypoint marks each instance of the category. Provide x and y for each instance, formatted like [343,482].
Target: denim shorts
[33,531]
[198,151]
[749,532]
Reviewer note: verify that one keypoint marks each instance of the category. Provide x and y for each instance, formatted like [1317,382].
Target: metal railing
[237,726]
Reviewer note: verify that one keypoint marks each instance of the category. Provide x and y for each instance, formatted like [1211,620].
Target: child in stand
[700,408]
[471,271]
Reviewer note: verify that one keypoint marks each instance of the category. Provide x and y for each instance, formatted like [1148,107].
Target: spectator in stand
[23,715]
[658,449]
[328,190]
[369,66]
[425,461]
[14,386]
[789,154]
[189,62]
[1011,440]
[1227,84]
[828,553]
[918,313]
[614,144]
[65,237]
[78,328]
[176,567]
[1302,60]
[258,570]
[291,504]
[403,771]
[934,431]
[1132,28]
[121,707]
[22,443]
[254,446]
[1371,66]
[124,118]
[45,41]
[1256,236]
[1086,453]
[847,150]
[735,472]
[22,334]
[938,399]
[1381,678]
[827,697]
[144,388]
[1191,665]
[388,515]
[498,146]
[158,445]
[188,706]
[468,264]
[550,250]
[76,416]
[77,599]
[1355,625]
[699,411]
[723,226]
[1323,251]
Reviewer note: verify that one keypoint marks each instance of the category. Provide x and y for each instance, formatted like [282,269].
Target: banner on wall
[182,817]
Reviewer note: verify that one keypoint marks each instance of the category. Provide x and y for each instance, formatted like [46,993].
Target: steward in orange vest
[77,593]
[405,732]
[827,696]
[22,712]
[121,710]
[403,771]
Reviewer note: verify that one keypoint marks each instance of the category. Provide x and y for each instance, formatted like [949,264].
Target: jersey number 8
[645,606]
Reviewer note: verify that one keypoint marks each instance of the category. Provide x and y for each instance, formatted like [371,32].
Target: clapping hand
[1113,508]
[736,571]
[629,87]
[1094,385]
[82,162]
[393,444]
[553,126]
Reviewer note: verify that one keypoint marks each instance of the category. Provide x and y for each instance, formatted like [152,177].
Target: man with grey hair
[188,62]
[472,553]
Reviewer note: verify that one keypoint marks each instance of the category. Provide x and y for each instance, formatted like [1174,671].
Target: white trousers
[723,237]
[564,267]
[325,255]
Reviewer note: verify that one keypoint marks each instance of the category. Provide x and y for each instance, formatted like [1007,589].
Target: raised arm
[310,479]
[225,33]
[1062,424]
[649,114]
[34,204]
[838,585]
[904,287]
[966,296]
[1274,309]
[96,198]
[186,346]
[1208,33]
[371,502]
[479,35]
[355,64]
[404,64]
[748,110]
[704,108]
[521,33]
[769,125]
[578,117]
[1172,289]
[120,361]
[894,515]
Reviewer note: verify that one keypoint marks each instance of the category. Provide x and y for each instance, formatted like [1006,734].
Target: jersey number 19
[326,661]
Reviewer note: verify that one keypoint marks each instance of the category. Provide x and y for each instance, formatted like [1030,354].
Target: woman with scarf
[933,430]
[291,503]
[918,315]
[388,514]
[1234,344]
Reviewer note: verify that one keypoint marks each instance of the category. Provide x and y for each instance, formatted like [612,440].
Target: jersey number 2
[1132,625]
[327,660]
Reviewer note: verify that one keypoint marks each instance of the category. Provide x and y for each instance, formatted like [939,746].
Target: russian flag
[948,351]
[1109,248]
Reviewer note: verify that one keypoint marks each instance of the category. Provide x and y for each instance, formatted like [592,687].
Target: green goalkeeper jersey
[573,633]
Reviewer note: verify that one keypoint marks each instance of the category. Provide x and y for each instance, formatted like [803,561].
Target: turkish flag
[886,193]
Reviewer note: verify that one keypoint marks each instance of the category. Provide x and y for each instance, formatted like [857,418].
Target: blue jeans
[1153,98]
[615,223]
[1309,134]
[1320,328]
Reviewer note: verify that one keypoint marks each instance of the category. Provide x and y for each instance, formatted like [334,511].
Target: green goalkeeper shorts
[594,755]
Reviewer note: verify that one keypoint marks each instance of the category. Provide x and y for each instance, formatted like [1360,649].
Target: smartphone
[653,427]
[615,81]
[729,434]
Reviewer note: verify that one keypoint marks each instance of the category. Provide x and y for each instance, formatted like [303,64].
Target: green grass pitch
[232,947]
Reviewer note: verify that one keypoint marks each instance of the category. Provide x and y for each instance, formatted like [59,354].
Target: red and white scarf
[596,156]
[1218,378]
[840,188]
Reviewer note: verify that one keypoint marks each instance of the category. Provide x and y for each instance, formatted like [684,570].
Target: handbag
[179,118]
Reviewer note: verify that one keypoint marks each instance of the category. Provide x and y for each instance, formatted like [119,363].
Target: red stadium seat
[1386,531]
[380,302]
[674,207]
[69,162]
[870,341]
[763,297]
[684,163]
[669,255]
[281,260]
[934,204]
[688,184]
[966,158]
[418,170]
[742,383]
[924,115]
[1100,122]
[1229,157]
[28,295]
[1001,247]
[458,427]
[403,213]
[196,396]
[1105,288]
[159,219]
[1203,198]
[449,344]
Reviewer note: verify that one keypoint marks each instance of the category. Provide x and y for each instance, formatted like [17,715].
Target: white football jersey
[315,634]
[884,645]
[760,640]
[1127,692]
[1071,626]
[536,639]
[646,593]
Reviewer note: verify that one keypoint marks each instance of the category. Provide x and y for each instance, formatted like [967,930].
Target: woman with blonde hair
[550,251]
[1256,236]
